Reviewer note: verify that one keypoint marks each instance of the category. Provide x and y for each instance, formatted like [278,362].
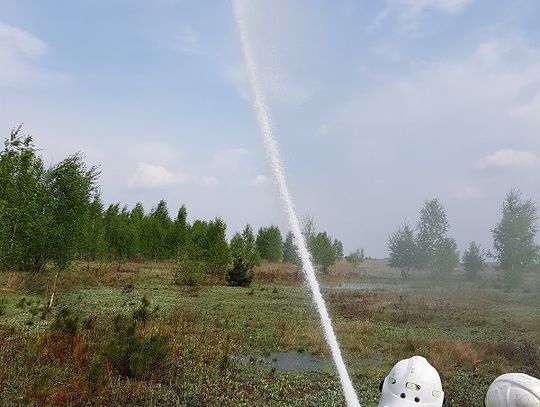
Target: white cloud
[206,180]
[280,88]
[149,176]
[469,193]
[508,159]
[323,129]
[229,159]
[409,11]
[18,49]
[259,180]
[187,40]
[529,112]
[475,94]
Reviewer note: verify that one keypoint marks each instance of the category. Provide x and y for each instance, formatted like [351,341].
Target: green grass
[471,332]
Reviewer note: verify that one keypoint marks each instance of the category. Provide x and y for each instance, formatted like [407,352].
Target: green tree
[93,243]
[243,245]
[402,250]
[355,258]
[446,257]
[473,260]
[217,253]
[25,203]
[269,243]
[323,251]
[432,228]
[42,211]
[290,251]
[180,230]
[514,235]
[138,225]
[240,274]
[71,185]
[161,228]
[338,249]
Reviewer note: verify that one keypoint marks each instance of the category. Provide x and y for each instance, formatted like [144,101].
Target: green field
[470,331]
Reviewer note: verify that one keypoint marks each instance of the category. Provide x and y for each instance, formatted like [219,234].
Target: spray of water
[274,159]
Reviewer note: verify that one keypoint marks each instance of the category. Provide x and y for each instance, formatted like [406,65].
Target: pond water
[294,361]
[290,361]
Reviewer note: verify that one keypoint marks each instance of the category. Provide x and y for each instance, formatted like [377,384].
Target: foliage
[432,228]
[446,257]
[244,245]
[355,258]
[269,243]
[473,260]
[42,211]
[93,245]
[217,253]
[403,250]
[323,251]
[240,274]
[338,249]
[189,272]
[290,251]
[130,353]
[66,322]
[143,312]
[514,236]
[180,231]
[161,230]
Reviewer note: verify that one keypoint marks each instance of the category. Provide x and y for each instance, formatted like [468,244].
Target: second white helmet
[513,390]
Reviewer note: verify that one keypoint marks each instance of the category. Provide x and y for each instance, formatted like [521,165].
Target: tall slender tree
[514,235]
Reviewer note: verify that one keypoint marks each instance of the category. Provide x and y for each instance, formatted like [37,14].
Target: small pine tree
[240,274]
[473,260]
[290,251]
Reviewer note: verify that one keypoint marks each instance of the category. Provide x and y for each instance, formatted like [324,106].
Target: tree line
[55,215]
[428,247]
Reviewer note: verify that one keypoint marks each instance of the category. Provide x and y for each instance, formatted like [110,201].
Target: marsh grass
[470,331]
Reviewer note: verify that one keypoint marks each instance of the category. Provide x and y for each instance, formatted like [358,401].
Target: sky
[377,105]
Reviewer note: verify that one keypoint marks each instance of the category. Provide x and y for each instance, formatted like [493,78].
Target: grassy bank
[470,331]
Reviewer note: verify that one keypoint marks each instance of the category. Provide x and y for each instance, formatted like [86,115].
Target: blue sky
[377,105]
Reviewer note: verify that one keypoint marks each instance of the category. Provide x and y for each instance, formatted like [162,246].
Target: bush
[189,272]
[130,353]
[240,274]
[66,322]
[473,260]
[143,313]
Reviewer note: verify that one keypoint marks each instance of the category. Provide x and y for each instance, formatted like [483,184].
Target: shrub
[66,322]
[189,272]
[132,354]
[473,260]
[96,373]
[240,274]
[142,313]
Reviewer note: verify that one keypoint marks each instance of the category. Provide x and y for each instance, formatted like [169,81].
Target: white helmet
[513,390]
[412,382]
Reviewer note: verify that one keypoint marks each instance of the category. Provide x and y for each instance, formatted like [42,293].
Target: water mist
[272,151]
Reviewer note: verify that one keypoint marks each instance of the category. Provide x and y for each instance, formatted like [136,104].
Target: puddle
[290,362]
[368,287]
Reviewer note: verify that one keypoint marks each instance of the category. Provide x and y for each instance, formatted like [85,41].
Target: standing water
[274,159]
